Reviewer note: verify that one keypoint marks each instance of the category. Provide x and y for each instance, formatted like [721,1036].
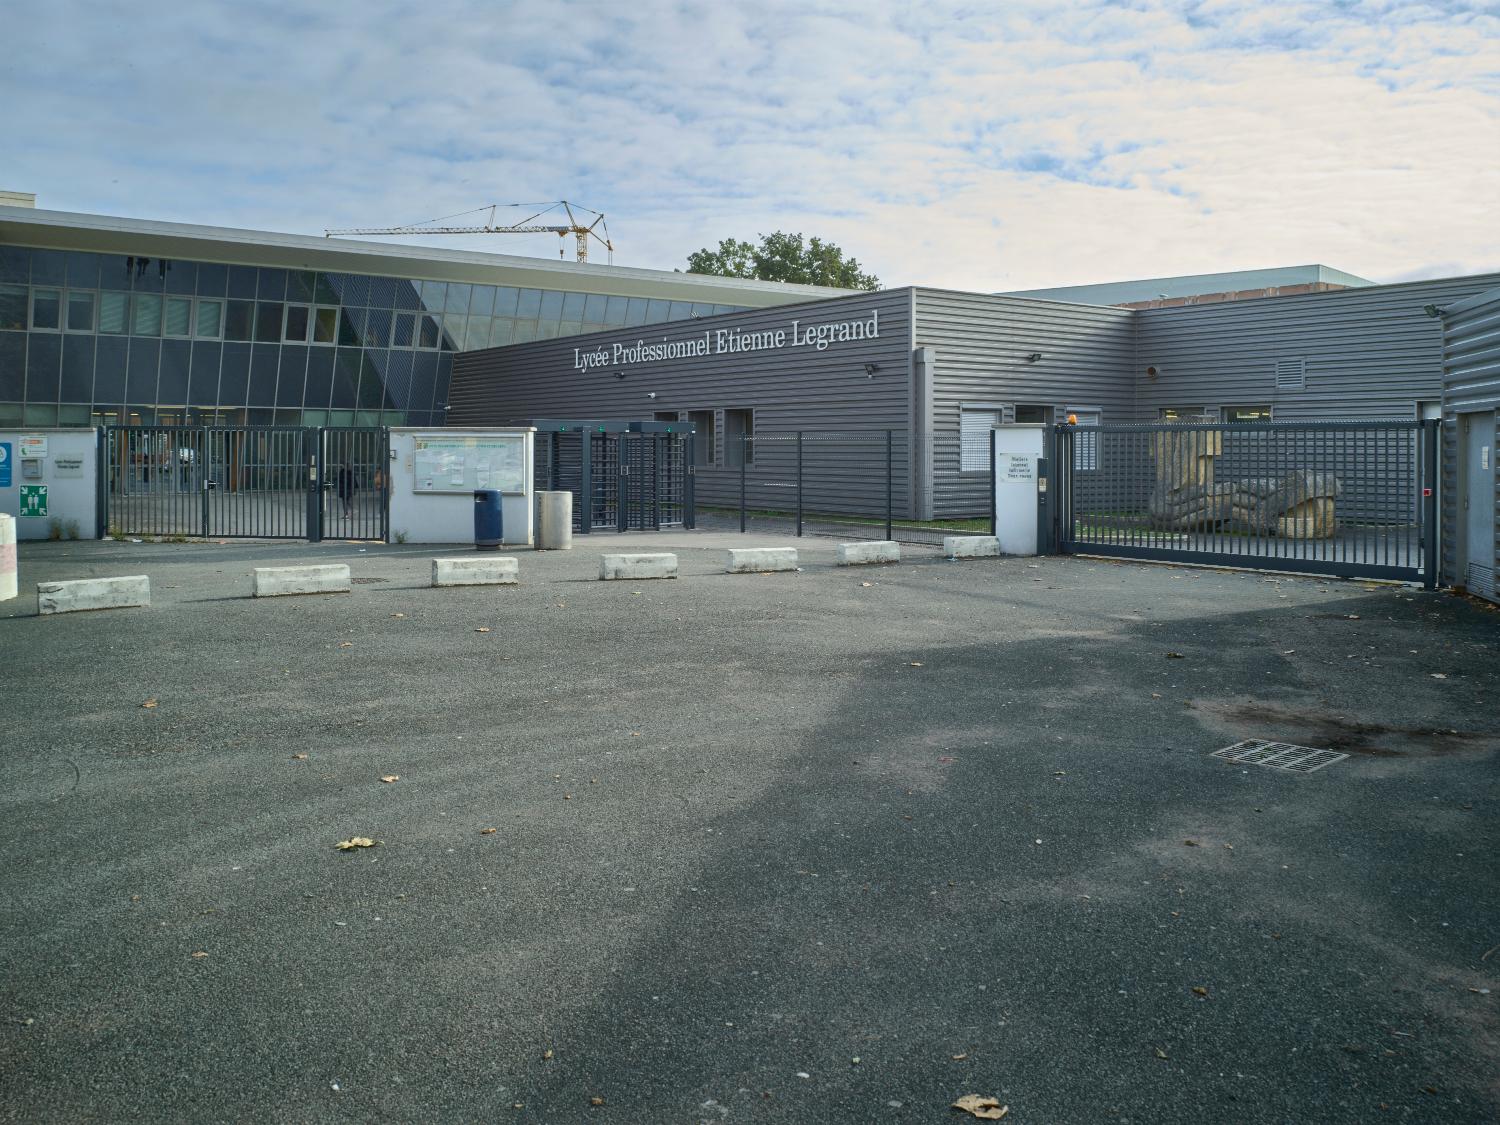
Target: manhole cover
[367,581]
[1278,755]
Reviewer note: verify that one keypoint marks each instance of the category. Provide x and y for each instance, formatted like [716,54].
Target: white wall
[434,517]
[71,498]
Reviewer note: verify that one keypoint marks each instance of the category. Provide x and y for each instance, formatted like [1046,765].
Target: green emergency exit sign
[33,500]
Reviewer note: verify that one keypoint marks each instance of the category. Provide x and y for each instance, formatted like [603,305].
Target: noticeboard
[462,464]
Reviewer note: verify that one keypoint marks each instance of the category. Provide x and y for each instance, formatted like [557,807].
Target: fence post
[890,480]
[1431,429]
[799,484]
[742,484]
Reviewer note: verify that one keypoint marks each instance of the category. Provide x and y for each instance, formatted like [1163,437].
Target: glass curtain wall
[103,339]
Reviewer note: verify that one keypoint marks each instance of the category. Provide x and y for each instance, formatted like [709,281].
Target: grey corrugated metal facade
[1471,397]
[1351,354]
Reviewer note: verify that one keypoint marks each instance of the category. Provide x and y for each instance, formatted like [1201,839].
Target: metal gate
[1354,499]
[624,476]
[250,482]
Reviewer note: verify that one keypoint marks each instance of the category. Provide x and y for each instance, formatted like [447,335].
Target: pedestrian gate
[624,476]
[1354,499]
[255,482]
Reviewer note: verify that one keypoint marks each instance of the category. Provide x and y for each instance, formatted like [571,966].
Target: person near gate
[345,483]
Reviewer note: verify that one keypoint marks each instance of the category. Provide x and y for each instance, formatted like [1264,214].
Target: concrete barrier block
[274,581]
[971,546]
[491,570]
[755,560]
[637,566]
[93,593]
[857,554]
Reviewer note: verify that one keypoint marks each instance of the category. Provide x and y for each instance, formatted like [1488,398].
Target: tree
[783,257]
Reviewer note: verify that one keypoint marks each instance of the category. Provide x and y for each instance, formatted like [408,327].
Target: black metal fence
[261,482]
[1343,498]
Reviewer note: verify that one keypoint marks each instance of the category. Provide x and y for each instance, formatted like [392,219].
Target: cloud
[977,147]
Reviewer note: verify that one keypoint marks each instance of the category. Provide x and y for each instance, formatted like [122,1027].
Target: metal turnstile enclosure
[624,475]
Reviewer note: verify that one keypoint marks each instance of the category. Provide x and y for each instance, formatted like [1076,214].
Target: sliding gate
[1354,499]
[254,482]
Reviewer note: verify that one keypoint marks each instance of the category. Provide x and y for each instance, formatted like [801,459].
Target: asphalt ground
[837,845]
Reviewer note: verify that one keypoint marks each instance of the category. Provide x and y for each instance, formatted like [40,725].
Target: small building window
[1245,413]
[739,435]
[46,309]
[974,439]
[703,443]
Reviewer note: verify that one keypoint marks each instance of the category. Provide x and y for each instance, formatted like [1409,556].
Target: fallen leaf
[346,644]
[149,704]
[1199,990]
[390,777]
[986,1109]
[487,831]
[200,955]
[355,842]
[482,629]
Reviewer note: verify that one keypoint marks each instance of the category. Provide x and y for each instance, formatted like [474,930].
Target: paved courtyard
[837,845]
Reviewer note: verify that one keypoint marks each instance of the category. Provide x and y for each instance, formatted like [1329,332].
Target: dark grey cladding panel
[1370,353]
[983,347]
[1471,382]
[789,387]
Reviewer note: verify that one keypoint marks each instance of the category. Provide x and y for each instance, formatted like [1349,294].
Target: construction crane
[528,225]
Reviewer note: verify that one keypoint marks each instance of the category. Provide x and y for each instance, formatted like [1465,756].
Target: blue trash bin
[489,526]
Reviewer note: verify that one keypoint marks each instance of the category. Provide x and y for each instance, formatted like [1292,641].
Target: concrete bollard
[554,531]
[274,581]
[492,571]
[8,586]
[971,547]
[637,566]
[858,554]
[755,560]
[93,593]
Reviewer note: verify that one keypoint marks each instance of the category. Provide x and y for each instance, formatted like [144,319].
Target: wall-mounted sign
[33,445]
[34,500]
[462,464]
[730,341]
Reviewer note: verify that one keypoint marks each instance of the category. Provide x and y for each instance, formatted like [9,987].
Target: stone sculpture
[1185,497]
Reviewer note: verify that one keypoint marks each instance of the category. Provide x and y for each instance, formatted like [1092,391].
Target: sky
[969,145]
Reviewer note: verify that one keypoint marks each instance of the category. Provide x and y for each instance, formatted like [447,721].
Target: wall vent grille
[1291,374]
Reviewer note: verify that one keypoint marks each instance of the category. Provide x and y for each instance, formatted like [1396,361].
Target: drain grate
[1278,755]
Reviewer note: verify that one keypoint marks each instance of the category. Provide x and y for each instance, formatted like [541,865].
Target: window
[46,309]
[1245,413]
[210,318]
[237,319]
[178,317]
[1085,445]
[974,439]
[145,315]
[12,306]
[298,317]
[80,312]
[112,313]
[739,437]
[703,444]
